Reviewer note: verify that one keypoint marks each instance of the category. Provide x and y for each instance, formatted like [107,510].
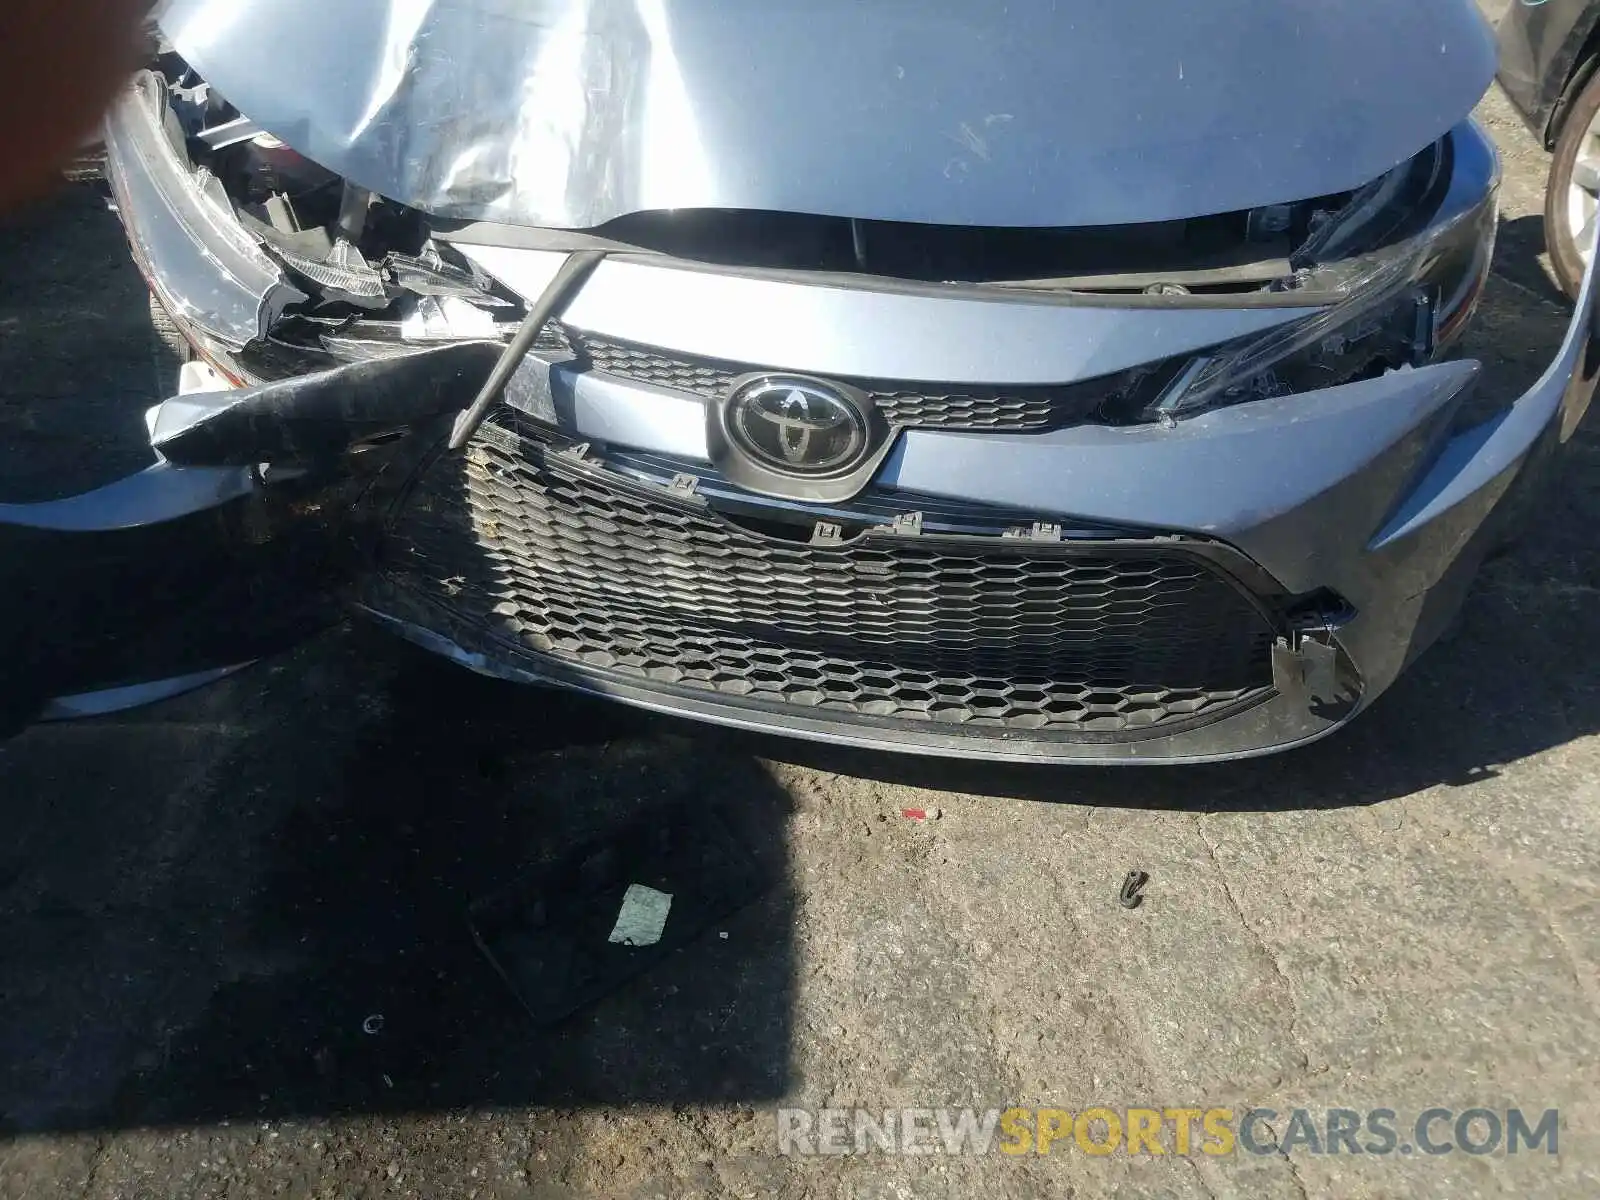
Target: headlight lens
[1404,304]
[1387,320]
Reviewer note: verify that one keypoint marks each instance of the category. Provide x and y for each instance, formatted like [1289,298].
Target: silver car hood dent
[568,113]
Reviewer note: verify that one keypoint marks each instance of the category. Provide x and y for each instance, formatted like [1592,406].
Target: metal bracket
[1319,663]
[1306,660]
[684,484]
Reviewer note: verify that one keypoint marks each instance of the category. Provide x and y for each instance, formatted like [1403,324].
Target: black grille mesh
[585,569]
[965,407]
[700,376]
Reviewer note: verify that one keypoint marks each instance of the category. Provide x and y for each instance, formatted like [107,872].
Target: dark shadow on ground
[206,903]
[79,362]
[1517,252]
[203,903]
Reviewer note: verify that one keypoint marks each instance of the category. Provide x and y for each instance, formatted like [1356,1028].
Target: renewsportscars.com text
[1179,1131]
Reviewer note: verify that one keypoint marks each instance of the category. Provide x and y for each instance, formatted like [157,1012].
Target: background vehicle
[1548,57]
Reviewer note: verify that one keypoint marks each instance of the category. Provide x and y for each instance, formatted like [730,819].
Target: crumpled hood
[569,113]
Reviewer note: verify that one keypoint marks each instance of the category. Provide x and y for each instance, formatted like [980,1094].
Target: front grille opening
[538,556]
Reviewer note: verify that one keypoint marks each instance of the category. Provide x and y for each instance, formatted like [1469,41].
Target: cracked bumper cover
[1369,491]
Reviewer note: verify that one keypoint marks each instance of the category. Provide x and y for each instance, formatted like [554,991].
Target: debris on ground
[1132,885]
[569,933]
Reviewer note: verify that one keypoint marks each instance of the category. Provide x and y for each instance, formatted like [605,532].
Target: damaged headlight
[269,265]
[1402,304]
[210,276]
[1387,321]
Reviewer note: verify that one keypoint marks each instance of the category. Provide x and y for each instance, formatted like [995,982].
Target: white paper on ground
[642,917]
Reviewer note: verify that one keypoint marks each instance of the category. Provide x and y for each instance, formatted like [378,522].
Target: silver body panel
[570,113]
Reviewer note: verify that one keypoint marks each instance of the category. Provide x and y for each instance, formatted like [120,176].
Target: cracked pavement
[203,902]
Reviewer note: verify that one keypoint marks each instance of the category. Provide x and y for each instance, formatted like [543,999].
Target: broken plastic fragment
[428,274]
[344,275]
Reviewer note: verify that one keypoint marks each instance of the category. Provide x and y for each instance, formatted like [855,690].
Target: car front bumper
[1240,582]
[1366,493]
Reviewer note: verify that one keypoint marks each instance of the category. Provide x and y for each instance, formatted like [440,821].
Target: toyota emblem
[796,426]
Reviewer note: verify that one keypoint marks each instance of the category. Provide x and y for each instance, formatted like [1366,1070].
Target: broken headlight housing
[268,265]
[1406,265]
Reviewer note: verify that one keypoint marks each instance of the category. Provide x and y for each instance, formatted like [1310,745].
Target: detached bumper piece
[143,588]
[236,544]
[239,542]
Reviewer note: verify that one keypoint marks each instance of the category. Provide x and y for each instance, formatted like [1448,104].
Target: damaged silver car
[1045,382]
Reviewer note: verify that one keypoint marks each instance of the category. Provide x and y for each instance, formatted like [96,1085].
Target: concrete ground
[204,905]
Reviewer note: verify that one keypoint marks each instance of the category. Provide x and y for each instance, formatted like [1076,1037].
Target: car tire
[1567,202]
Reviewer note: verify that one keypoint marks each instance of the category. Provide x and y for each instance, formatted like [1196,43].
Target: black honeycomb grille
[1079,643]
[703,377]
[925,405]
